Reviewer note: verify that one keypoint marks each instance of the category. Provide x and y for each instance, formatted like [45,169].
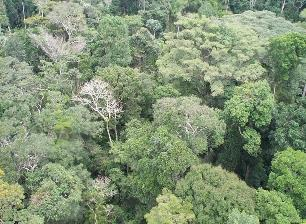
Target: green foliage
[236,217]
[11,204]
[56,192]
[11,196]
[265,23]
[251,104]
[19,46]
[288,175]
[207,51]
[154,159]
[170,209]
[175,84]
[154,26]
[96,198]
[290,121]
[15,12]
[3,16]
[199,125]
[144,50]
[289,9]
[252,141]
[212,191]
[111,44]
[274,207]
[127,86]
[285,53]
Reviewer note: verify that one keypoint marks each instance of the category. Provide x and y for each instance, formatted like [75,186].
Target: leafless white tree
[96,94]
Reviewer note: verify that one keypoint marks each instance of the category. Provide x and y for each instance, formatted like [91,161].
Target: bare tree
[56,46]
[96,94]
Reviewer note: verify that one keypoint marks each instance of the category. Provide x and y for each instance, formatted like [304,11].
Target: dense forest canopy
[153,111]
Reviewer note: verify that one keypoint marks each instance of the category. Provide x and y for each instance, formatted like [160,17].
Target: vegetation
[151,111]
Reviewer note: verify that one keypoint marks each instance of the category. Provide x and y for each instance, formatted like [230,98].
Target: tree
[72,21]
[144,50]
[56,47]
[285,53]
[11,197]
[153,159]
[237,217]
[288,176]
[42,6]
[290,121]
[288,8]
[199,54]
[274,207]
[170,209]
[3,17]
[96,94]
[96,198]
[56,192]
[154,26]
[11,204]
[19,45]
[17,11]
[127,87]
[250,108]
[110,45]
[199,125]
[212,190]
[266,24]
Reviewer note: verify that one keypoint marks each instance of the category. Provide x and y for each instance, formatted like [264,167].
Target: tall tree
[98,96]
[111,44]
[212,190]
[200,54]
[149,160]
[285,54]
[250,108]
[199,125]
[170,209]
[275,207]
[288,175]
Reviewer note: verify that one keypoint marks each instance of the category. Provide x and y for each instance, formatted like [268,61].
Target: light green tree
[207,52]
[170,209]
[274,207]
[237,217]
[213,190]
[288,175]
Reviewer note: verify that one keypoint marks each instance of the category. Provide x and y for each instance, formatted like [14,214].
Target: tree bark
[108,133]
[23,12]
[304,91]
[283,6]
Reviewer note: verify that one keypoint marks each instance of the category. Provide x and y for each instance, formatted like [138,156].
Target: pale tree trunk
[116,132]
[226,2]
[144,5]
[283,6]
[23,12]
[304,91]
[252,4]
[108,133]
